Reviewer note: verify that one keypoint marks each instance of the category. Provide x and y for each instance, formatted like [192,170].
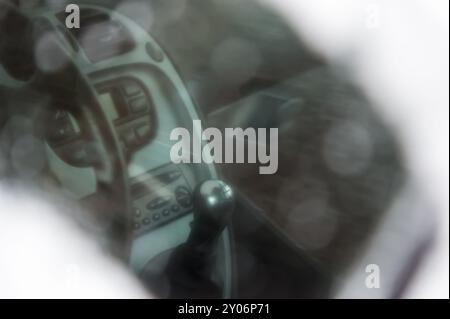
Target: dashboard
[144,99]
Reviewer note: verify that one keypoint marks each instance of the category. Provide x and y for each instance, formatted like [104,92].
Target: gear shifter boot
[190,266]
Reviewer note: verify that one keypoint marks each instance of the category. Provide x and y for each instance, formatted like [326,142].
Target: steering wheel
[122,188]
[69,85]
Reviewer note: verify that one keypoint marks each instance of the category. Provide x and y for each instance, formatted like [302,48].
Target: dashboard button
[137,212]
[143,131]
[170,177]
[158,202]
[132,89]
[155,53]
[183,196]
[156,217]
[137,225]
[165,212]
[175,208]
[146,221]
[129,138]
[138,105]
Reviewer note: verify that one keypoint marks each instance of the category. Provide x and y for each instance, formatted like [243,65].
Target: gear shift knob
[191,264]
[213,205]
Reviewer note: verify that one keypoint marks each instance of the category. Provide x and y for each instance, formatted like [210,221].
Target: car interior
[92,108]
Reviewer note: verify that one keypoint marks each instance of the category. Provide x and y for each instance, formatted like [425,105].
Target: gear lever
[190,266]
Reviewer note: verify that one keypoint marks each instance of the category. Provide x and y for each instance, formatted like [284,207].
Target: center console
[159,197]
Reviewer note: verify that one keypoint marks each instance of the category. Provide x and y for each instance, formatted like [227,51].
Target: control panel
[159,196]
[130,108]
[126,103]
